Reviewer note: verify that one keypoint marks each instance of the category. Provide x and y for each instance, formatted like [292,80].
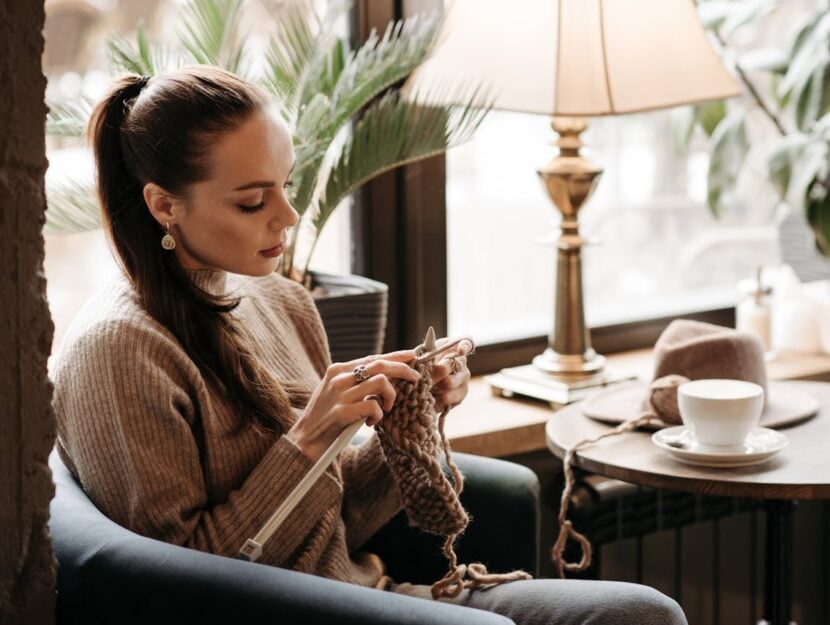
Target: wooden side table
[801,471]
[494,426]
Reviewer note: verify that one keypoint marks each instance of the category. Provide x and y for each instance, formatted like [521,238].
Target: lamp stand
[569,368]
[569,179]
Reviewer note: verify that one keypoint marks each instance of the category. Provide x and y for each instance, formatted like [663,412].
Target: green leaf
[811,98]
[818,216]
[727,153]
[143,57]
[710,115]
[809,51]
[683,119]
[794,166]
[67,119]
[310,149]
[291,48]
[745,12]
[381,62]
[71,207]
[394,132]
[765,60]
[210,32]
[713,13]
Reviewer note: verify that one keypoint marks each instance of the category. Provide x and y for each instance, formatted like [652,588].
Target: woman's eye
[251,209]
[288,184]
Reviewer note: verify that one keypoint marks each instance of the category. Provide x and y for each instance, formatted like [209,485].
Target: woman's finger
[451,381]
[376,385]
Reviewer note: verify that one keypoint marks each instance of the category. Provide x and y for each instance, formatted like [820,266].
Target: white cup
[720,412]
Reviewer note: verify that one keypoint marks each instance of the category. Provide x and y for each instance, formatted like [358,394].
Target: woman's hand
[450,376]
[340,400]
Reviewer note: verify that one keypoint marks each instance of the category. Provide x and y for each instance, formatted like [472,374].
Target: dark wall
[27,570]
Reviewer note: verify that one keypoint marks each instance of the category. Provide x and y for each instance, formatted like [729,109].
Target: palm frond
[291,48]
[383,61]
[310,150]
[323,66]
[142,57]
[210,33]
[394,132]
[71,207]
[67,119]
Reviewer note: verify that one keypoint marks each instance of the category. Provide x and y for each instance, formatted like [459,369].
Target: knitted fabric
[412,439]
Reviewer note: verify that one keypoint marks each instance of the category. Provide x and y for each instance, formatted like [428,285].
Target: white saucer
[761,444]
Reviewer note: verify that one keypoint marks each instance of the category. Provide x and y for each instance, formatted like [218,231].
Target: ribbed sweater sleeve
[127,408]
[371,495]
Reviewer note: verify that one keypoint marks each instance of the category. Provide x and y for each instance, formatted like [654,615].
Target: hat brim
[786,405]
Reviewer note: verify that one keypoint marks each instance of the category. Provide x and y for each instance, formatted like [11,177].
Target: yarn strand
[566,529]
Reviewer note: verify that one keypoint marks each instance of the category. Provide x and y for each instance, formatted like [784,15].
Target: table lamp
[572,59]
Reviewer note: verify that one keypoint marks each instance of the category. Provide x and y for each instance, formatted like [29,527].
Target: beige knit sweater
[147,439]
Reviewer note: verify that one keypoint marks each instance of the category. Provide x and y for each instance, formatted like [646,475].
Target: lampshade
[575,57]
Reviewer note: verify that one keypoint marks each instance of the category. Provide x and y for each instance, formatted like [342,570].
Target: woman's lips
[274,251]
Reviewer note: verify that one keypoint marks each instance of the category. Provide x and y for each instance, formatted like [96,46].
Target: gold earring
[167,241]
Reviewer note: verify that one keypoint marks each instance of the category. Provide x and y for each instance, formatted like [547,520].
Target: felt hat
[692,350]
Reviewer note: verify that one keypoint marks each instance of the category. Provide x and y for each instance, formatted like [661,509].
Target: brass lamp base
[557,391]
[569,180]
[570,364]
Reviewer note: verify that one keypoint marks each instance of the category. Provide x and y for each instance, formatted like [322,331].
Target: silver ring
[360,374]
[456,366]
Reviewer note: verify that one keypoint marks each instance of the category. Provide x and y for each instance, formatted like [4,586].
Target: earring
[167,241]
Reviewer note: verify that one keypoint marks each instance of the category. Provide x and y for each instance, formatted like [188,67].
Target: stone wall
[27,568]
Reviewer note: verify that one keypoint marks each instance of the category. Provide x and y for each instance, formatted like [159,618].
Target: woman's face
[236,220]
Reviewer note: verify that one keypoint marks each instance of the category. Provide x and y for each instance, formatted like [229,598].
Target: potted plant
[349,120]
[783,118]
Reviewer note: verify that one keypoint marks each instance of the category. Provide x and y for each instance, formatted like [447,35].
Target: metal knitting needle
[252,549]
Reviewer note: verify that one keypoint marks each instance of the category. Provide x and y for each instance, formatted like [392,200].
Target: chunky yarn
[412,438]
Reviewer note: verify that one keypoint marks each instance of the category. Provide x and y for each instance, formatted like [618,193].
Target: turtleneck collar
[213,281]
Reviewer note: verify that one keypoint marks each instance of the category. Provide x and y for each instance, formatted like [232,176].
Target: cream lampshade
[571,59]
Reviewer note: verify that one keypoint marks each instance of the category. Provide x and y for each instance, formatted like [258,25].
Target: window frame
[399,231]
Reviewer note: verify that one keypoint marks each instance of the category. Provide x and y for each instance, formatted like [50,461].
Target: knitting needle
[252,549]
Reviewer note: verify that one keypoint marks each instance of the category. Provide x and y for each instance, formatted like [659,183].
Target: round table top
[799,471]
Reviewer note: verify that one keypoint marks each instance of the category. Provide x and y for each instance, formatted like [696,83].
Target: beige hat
[692,350]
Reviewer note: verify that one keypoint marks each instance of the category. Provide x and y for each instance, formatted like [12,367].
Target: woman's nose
[286,217]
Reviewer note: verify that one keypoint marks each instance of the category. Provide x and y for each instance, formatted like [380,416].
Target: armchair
[108,574]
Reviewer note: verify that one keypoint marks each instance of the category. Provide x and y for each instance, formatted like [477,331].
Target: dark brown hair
[161,130]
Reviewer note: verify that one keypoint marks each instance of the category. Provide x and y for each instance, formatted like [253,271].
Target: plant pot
[353,309]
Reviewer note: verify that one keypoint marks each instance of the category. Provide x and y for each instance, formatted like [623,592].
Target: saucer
[761,444]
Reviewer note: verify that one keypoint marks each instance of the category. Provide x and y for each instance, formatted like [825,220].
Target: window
[659,250]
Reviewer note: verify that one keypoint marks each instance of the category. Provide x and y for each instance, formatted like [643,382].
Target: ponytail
[182,111]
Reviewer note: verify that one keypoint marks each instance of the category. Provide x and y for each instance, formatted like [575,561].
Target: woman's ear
[164,206]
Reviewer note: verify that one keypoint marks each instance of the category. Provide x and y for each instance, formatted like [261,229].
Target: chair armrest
[502,499]
[134,582]
[108,574]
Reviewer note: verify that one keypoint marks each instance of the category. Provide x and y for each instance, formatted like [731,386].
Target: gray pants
[566,602]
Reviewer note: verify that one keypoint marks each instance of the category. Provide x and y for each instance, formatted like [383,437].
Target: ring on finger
[456,366]
[360,374]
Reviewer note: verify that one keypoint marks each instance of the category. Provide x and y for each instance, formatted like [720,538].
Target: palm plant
[350,122]
[793,106]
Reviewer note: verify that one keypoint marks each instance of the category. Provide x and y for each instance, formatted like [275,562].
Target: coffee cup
[720,412]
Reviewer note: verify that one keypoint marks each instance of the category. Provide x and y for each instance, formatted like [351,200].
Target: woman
[195,392]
